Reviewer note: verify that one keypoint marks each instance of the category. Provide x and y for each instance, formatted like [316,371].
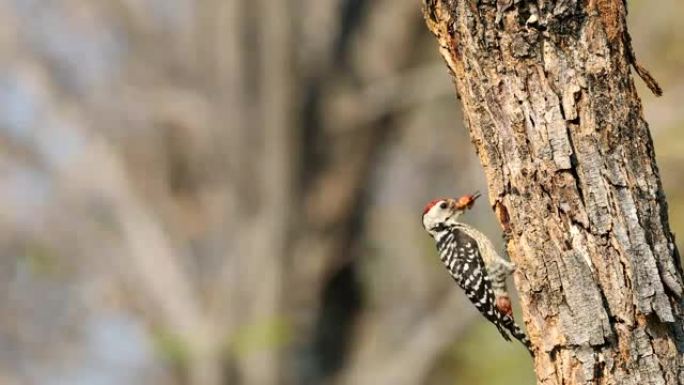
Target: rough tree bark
[555,118]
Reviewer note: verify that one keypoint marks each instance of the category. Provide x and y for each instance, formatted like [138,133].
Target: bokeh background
[222,192]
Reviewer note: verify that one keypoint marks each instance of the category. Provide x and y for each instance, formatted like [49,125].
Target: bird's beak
[453,203]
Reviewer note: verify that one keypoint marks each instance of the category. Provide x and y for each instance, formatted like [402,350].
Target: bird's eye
[443,205]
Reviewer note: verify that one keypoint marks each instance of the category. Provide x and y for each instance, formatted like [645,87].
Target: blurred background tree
[229,192]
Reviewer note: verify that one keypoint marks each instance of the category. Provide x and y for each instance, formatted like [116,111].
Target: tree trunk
[555,118]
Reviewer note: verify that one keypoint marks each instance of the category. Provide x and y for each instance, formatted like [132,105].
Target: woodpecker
[468,256]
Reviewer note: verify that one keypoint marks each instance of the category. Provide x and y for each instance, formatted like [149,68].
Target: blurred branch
[399,92]
[411,362]
[335,200]
[151,258]
[69,152]
[268,232]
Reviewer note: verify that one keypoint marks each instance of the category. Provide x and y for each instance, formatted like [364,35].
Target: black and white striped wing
[468,270]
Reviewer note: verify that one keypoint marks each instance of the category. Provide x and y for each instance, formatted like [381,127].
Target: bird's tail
[504,332]
[516,332]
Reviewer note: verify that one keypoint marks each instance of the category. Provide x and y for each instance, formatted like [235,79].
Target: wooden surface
[550,102]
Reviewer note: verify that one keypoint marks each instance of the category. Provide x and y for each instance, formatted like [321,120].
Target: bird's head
[443,212]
